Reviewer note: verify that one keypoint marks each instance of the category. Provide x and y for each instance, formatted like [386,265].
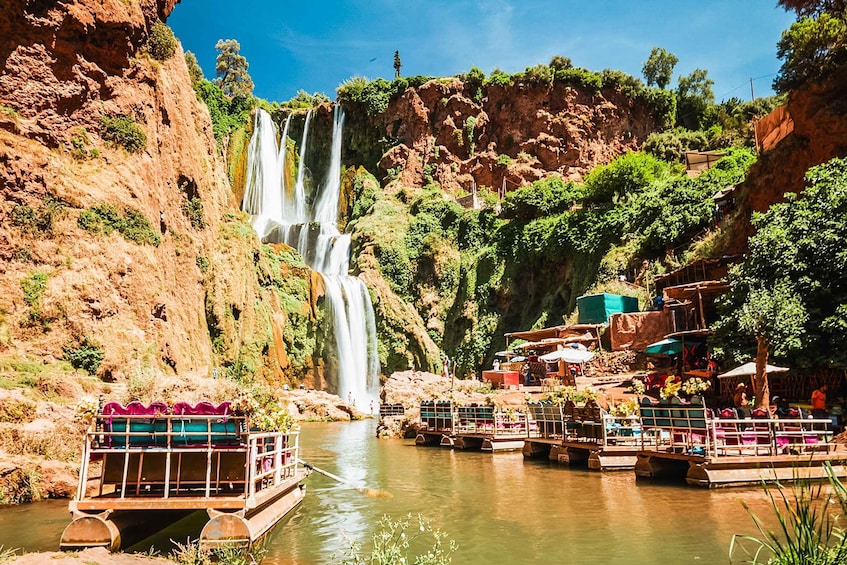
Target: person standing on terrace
[819,402]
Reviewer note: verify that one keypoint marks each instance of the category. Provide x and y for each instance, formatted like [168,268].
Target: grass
[398,541]
[17,411]
[190,553]
[7,554]
[61,443]
[9,111]
[809,531]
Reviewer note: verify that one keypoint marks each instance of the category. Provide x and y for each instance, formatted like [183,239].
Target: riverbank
[91,556]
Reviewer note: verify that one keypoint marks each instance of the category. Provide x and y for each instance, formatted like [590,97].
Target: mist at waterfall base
[306,218]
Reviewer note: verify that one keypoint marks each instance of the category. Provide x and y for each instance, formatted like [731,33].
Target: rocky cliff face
[195,290]
[512,136]
[816,118]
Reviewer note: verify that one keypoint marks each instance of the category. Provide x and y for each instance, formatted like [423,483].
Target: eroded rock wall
[512,136]
[184,306]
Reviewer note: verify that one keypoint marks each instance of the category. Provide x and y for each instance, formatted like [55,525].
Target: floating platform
[142,469]
[586,436]
[596,456]
[692,444]
[430,438]
[730,471]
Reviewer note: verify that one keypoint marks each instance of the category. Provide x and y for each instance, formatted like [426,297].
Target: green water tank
[596,308]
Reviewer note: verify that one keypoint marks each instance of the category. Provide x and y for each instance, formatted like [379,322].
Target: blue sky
[315,45]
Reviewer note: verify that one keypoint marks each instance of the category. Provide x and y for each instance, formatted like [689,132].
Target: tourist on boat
[496,364]
[819,402]
[741,402]
[779,408]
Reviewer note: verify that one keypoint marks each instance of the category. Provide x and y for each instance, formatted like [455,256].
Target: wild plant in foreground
[7,554]
[809,532]
[393,541]
[190,553]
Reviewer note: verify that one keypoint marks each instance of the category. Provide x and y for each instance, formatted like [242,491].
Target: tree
[811,49]
[694,97]
[776,316]
[397,64]
[194,70]
[658,68]
[807,8]
[791,290]
[560,63]
[231,70]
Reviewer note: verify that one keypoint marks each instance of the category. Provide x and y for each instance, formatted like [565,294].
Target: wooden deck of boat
[169,464]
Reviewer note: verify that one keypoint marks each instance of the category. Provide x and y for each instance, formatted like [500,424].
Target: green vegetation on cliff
[472,275]
[792,288]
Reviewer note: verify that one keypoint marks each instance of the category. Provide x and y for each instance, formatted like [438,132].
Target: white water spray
[280,216]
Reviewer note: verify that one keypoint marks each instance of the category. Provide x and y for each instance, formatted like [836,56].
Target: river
[499,508]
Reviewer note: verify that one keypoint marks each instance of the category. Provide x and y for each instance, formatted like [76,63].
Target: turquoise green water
[499,508]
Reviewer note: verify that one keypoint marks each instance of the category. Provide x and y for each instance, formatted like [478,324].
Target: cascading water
[282,214]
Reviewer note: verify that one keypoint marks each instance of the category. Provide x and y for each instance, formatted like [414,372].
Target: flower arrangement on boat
[671,387]
[88,408]
[695,385]
[625,408]
[578,397]
[637,387]
[264,411]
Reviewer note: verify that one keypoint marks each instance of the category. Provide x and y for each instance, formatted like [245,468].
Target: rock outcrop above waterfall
[450,132]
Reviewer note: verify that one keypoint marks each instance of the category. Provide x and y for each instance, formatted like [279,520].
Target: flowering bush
[671,388]
[637,387]
[625,408]
[264,411]
[88,408]
[696,385]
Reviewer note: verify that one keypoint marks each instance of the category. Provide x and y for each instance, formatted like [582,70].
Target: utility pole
[752,95]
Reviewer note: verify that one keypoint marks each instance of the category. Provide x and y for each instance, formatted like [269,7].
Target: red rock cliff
[64,66]
[446,136]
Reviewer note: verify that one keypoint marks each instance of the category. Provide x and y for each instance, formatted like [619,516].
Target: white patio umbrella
[750,369]
[568,355]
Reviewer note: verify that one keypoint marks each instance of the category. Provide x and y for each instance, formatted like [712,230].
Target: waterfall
[284,215]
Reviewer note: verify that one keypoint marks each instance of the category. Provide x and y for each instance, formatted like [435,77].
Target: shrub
[580,77]
[305,100]
[503,161]
[193,210]
[133,225]
[36,221]
[86,354]
[162,43]
[498,78]
[124,131]
[470,123]
[227,113]
[137,228]
[202,263]
[474,81]
[79,144]
[34,286]
[17,411]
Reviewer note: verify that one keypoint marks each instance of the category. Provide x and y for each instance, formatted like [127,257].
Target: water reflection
[503,509]
[499,508]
